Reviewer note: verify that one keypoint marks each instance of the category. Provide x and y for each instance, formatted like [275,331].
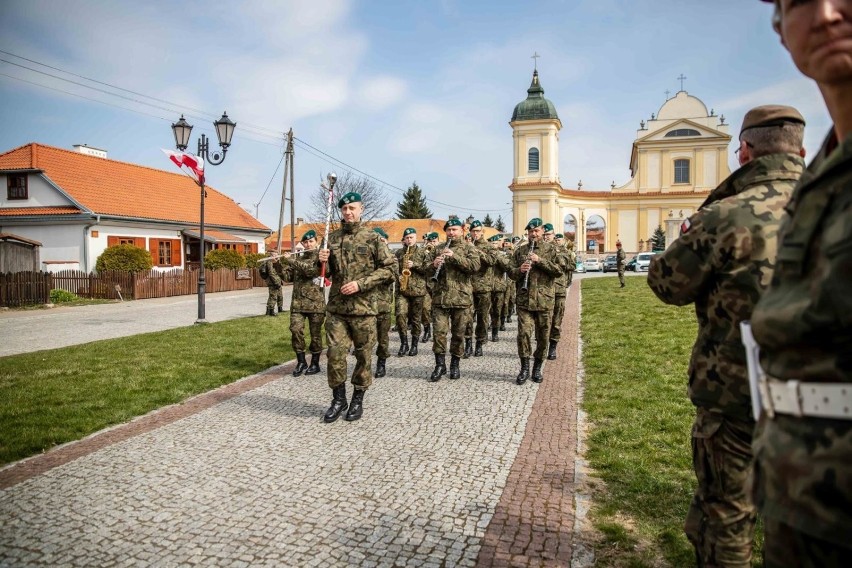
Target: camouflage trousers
[383,325]
[498,307]
[445,320]
[786,546]
[427,309]
[409,309]
[721,517]
[509,298]
[479,316]
[621,273]
[341,332]
[530,323]
[276,298]
[297,331]
[570,277]
[556,320]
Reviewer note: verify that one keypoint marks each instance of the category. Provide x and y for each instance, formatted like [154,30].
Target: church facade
[678,157]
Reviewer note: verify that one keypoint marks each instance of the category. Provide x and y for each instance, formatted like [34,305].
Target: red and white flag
[188,163]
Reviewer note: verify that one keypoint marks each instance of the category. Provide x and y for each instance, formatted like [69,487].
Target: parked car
[581,267]
[610,264]
[593,264]
[630,265]
[643,261]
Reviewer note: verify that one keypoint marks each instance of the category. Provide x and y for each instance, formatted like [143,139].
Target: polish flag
[188,163]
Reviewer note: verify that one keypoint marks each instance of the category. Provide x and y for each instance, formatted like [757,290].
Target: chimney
[299,221]
[90,151]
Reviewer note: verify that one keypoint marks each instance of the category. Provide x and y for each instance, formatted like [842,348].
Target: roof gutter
[86,241]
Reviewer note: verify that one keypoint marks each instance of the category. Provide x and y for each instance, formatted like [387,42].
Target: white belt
[823,400]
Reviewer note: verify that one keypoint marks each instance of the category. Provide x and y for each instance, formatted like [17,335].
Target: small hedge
[60,296]
[124,257]
[253,258]
[223,258]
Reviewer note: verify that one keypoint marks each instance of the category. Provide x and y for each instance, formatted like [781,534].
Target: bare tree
[376,201]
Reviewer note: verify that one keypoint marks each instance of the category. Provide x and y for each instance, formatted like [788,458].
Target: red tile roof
[16,211]
[110,187]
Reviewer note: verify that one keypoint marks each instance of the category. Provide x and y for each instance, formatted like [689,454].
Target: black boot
[280,309]
[301,365]
[536,372]
[414,341]
[440,367]
[338,403]
[356,407]
[502,323]
[427,333]
[477,352]
[551,352]
[455,373]
[403,344]
[468,348]
[314,368]
[271,312]
[493,334]
[622,284]
[525,371]
[380,372]
[509,318]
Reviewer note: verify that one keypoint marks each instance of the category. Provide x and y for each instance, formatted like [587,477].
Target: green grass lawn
[56,396]
[636,351]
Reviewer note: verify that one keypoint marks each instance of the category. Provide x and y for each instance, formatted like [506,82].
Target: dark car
[610,264]
[631,265]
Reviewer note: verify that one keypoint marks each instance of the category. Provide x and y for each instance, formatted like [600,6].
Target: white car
[593,264]
[643,261]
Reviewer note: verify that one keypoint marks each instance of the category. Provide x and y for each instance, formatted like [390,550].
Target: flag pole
[332,179]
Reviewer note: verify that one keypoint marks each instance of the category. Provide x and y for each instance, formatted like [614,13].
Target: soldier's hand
[323,255]
[409,263]
[526,266]
[350,288]
[448,252]
[439,260]
[534,257]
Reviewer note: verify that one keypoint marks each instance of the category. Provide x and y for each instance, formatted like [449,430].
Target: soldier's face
[559,241]
[818,34]
[535,234]
[409,239]
[453,232]
[476,233]
[310,244]
[351,212]
[548,237]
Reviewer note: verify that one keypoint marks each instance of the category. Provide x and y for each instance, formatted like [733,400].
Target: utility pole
[292,193]
[287,153]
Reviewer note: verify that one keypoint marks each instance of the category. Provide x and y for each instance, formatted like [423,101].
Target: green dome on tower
[535,107]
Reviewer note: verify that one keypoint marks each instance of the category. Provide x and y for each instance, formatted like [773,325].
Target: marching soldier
[357,262]
[509,295]
[411,262]
[572,260]
[308,304]
[534,268]
[482,286]
[512,290]
[384,303]
[498,286]
[620,257]
[431,243]
[271,275]
[454,264]
[560,288]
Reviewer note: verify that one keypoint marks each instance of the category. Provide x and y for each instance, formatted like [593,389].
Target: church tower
[535,182]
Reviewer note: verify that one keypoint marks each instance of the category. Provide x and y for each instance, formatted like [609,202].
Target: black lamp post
[224,131]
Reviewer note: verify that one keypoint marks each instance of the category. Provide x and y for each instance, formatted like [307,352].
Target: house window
[165,253]
[533,159]
[682,132]
[681,171]
[247,248]
[16,187]
[126,241]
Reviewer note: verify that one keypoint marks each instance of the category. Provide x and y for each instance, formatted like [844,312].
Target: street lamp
[224,131]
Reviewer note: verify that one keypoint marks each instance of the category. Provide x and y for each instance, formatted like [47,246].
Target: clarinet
[527,273]
[438,270]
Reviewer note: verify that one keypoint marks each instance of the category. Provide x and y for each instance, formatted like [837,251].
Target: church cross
[535,57]
[681,79]
[667,94]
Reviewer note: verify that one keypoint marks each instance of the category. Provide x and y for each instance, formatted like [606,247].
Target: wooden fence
[21,288]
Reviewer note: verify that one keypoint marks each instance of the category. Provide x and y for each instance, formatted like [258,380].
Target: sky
[401,91]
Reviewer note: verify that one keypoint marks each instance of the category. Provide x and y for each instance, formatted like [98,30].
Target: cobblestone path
[477,471]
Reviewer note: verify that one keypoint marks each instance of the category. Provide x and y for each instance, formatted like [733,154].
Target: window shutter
[139,242]
[112,241]
[154,249]
[254,248]
[177,253]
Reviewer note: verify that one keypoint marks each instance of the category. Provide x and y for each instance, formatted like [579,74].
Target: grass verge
[635,352]
[56,396]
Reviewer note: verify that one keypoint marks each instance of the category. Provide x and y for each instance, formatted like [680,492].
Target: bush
[59,296]
[124,257]
[223,258]
[253,258]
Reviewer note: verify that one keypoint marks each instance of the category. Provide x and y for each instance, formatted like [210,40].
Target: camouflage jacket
[500,270]
[454,288]
[274,279]
[540,292]
[563,259]
[482,280]
[420,272]
[384,291]
[357,255]
[722,262]
[619,258]
[308,298]
[803,323]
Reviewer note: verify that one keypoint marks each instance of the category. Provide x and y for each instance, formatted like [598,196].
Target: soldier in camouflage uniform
[560,287]
[431,243]
[535,302]
[455,262]
[498,285]
[273,283]
[572,259]
[357,262]
[511,291]
[384,304]
[803,322]
[620,257]
[308,304]
[722,262]
[482,286]
[409,300]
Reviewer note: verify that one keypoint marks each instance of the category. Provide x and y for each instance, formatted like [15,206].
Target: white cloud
[380,92]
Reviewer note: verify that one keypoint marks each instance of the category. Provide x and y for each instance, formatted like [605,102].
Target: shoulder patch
[685,226]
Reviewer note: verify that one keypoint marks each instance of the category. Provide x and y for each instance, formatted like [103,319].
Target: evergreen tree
[413,205]
[658,240]
[499,224]
[488,221]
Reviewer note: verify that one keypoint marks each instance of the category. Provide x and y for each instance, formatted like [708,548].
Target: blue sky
[401,90]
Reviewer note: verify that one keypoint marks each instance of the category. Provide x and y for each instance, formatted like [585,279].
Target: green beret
[534,223]
[507,240]
[452,223]
[309,235]
[494,239]
[516,239]
[433,236]
[380,231]
[409,231]
[351,197]
[474,224]
[560,236]
[548,228]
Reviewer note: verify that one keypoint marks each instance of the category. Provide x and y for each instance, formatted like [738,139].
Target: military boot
[338,404]
[270,312]
[455,373]
[525,371]
[280,309]
[403,344]
[301,364]
[477,352]
[440,367]
[551,351]
[509,317]
[414,341]
[427,333]
[356,407]
[468,347]
[314,368]
[536,371]
[493,334]
[380,371]
[502,323]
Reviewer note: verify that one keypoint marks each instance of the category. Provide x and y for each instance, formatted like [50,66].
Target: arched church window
[682,132]
[533,159]
[681,171]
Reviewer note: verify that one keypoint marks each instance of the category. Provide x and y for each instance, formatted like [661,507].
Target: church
[678,157]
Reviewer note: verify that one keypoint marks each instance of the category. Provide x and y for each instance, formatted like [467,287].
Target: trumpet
[527,273]
[405,272]
[443,252]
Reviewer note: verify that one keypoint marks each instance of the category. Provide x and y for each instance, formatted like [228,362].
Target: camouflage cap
[548,228]
[351,197]
[452,223]
[309,235]
[409,231]
[534,223]
[381,232]
[771,115]
[475,224]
